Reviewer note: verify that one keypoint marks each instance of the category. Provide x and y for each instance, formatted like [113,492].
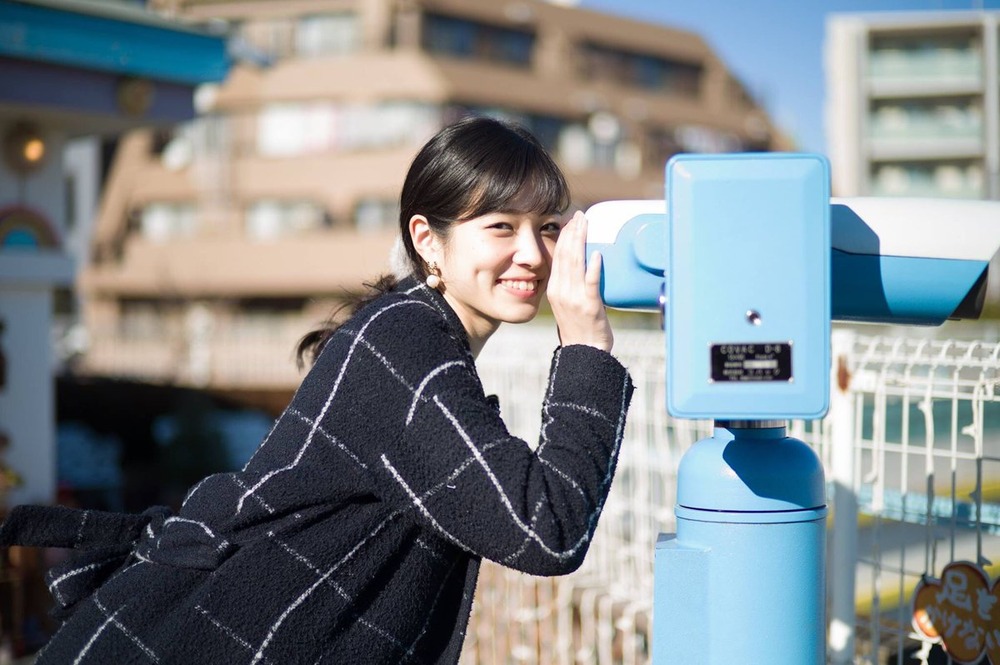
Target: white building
[913,104]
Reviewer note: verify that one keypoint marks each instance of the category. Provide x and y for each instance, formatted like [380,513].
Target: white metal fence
[912,452]
[925,473]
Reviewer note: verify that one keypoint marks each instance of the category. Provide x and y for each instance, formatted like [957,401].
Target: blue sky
[774,46]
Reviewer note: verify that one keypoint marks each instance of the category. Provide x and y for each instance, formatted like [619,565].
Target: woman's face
[495,267]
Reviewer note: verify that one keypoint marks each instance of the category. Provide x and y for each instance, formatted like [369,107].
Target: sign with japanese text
[961,611]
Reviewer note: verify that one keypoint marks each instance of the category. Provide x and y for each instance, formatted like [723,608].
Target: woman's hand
[574,290]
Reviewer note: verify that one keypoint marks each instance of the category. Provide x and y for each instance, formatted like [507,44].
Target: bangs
[524,182]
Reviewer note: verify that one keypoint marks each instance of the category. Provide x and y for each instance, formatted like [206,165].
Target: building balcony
[199,267]
[924,146]
[927,190]
[223,359]
[923,65]
[962,179]
[925,73]
[931,63]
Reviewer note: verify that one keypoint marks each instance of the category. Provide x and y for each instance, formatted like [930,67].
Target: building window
[70,186]
[161,222]
[285,130]
[271,219]
[206,136]
[545,128]
[143,320]
[375,214]
[925,57]
[448,35]
[575,150]
[603,143]
[660,145]
[274,38]
[265,318]
[926,119]
[327,34]
[696,138]
[952,179]
[640,70]
[385,125]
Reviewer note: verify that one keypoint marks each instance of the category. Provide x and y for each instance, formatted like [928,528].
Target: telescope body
[750,260]
[894,261]
[742,580]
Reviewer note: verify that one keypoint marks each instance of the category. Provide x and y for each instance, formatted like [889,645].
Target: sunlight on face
[495,268]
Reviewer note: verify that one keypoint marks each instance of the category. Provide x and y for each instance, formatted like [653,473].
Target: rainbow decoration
[24,229]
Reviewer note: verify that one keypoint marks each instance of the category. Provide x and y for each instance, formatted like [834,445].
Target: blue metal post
[742,581]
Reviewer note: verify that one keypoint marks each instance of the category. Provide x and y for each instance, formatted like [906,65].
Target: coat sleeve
[456,468]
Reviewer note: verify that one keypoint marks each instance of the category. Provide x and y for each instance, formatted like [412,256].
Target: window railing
[926,64]
[928,190]
[940,181]
[925,130]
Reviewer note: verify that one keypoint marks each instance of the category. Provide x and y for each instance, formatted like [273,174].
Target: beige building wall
[219,245]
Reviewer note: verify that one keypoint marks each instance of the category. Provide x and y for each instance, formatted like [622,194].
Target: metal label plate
[752,361]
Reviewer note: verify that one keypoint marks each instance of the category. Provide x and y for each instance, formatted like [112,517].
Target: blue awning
[114,37]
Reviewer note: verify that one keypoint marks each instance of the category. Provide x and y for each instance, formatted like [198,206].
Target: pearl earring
[434,276]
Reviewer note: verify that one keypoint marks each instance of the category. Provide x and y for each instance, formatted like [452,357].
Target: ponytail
[314,341]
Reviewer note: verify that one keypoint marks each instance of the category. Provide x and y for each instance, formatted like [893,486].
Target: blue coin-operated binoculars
[749,260]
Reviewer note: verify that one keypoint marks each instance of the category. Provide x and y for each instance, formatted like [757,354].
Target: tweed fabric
[355,532]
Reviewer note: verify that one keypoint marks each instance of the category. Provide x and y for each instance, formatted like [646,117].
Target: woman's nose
[530,251]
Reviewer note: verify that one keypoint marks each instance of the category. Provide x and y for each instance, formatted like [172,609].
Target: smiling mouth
[520,285]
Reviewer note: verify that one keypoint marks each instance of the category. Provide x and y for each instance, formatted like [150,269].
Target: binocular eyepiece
[750,260]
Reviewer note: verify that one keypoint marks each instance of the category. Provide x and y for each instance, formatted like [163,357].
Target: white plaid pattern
[372,499]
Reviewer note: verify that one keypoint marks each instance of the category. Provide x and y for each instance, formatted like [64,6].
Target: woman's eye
[552,228]
[501,226]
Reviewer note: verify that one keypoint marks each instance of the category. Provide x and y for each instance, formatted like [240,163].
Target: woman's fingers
[574,289]
[570,246]
[593,275]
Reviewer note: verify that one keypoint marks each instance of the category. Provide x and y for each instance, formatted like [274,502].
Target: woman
[355,532]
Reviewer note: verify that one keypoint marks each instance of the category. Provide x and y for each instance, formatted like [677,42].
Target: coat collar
[418,290]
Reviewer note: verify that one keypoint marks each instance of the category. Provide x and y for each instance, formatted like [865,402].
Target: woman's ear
[425,241]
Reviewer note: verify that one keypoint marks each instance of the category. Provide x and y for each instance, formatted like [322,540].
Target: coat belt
[106,542]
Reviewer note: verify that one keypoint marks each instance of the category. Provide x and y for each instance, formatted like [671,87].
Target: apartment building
[913,104]
[219,244]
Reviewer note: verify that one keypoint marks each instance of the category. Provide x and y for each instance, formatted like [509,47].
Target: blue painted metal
[865,287]
[900,290]
[742,581]
[871,288]
[637,282]
[748,233]
[125,43]
[750,473]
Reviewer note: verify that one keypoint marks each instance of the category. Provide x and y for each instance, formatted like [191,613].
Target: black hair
[474,167]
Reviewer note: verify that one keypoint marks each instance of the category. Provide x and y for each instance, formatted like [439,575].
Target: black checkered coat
[355,532]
